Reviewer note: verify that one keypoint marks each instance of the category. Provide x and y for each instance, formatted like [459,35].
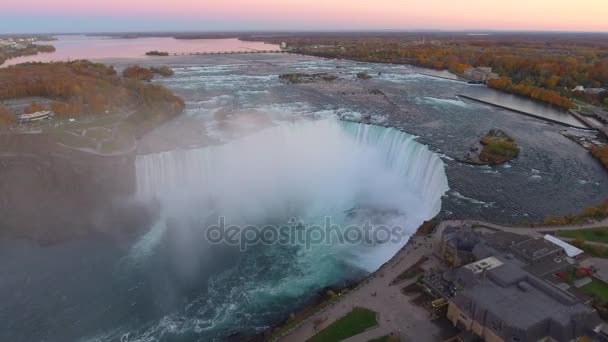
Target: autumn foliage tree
[70,109]
[6,116]
[601,153]
[33,107]
[164,71]
[138,73]
[82,87]
[544,95]
[598,212]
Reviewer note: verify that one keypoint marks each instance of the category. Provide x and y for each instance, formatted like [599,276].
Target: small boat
[35,116]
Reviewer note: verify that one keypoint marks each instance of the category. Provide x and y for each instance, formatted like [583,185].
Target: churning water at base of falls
[308,171]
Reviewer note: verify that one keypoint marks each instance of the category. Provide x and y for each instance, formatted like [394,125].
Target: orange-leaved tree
[6,116]
[33,107]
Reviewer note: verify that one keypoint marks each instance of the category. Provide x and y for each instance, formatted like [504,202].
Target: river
[254,150]
[71,47]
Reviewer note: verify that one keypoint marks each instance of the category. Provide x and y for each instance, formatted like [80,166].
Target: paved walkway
[532,231]
[601,265]
[395,313]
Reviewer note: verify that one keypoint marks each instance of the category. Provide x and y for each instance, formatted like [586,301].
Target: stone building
[480,74]
[457,245]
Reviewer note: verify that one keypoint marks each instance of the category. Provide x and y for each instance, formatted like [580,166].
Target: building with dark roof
[536,250]
[503,296]
[507,303]
[457,245]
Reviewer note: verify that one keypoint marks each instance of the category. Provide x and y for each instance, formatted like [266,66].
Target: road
[527,230]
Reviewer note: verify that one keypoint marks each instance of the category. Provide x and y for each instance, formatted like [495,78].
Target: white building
[570,250]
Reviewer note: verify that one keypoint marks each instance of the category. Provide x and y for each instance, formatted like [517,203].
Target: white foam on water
[308,170]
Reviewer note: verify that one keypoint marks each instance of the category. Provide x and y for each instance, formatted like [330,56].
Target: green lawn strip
[354,323]
[593,250]
[592,234]
[597,289]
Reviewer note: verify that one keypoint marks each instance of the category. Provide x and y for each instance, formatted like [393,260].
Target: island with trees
[494,148]
[157,53]
[80,88]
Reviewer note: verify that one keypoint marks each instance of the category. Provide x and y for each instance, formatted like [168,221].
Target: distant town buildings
[480,74]
[505,287]
[16,43]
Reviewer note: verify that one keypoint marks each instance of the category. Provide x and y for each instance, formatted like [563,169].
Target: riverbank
[15,47]
[457,78]
[396,314]
[557,122]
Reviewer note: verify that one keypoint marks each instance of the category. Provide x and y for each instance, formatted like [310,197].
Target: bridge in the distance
[226,52]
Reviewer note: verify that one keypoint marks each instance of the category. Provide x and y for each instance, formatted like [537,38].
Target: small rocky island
[494,148]
[294,78]
[157,53]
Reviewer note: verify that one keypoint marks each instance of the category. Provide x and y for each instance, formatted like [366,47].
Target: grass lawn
[593,234]
[597,289]
[595,251]
[354,323]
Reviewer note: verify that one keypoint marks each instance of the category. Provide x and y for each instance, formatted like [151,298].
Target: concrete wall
[462,320]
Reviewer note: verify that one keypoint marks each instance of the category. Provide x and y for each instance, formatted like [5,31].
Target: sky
[46,16]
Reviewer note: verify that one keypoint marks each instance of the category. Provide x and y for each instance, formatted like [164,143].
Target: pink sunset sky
[117,15]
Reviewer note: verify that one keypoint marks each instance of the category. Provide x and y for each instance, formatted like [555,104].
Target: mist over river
[257,151]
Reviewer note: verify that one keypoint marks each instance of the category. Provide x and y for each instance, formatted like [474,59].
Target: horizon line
[245,31]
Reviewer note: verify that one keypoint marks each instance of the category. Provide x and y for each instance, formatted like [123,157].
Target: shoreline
[443,77]
[353,288]
[557,122]
[382,282]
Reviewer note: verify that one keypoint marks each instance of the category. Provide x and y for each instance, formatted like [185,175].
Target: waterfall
[409,158]
[325,158]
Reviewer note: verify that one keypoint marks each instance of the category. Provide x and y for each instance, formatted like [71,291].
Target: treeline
[601,153]
[157,53]
[530,65]
[146,74]
[80,87]
[6,116]
[596,213]
[30,49]
[549,96]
